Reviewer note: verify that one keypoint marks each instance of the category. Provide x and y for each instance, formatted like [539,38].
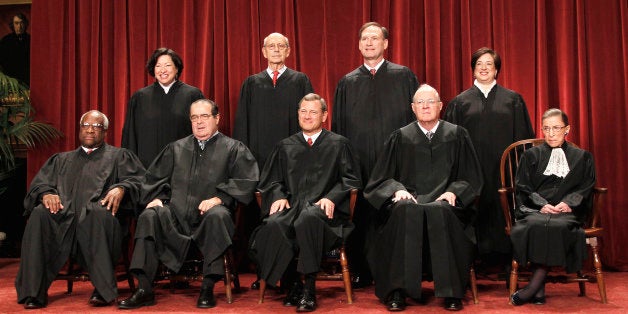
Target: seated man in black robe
[424,185]
[191,189]
[305,188]
[72,203]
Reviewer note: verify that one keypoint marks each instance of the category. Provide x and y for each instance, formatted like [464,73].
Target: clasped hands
[560,208]
[203,207]
[405,195]
[326,205]
[112,200]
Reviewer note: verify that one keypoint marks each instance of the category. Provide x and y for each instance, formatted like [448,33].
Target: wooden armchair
[333,258]
[508,168]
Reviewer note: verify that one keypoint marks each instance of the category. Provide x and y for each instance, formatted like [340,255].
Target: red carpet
[331,298]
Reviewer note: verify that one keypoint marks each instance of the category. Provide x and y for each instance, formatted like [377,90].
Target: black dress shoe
[538,300]
[206,299]
[97,300]
[32,303]
[358,282]
[294,295]
[453,304]
[255,285]
[396,301]
[516,300]
[140,298]
[307,303]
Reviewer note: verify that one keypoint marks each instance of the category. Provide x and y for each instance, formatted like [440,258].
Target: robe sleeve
[466,176]
[156,182]
[340,101]
[241,125]
[581,192]
[381,186]
[129,140]
[243,177]
[521,120]
[130,174]
[272,184]
[349,176]
[44,182]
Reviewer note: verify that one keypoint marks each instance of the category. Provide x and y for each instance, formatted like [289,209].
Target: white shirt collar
[85,149]
[281,70]
[424,130]
[376,67]
[167,87]
[483,89]
[313,137]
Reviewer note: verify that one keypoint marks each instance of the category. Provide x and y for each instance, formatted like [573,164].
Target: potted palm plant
[18,131]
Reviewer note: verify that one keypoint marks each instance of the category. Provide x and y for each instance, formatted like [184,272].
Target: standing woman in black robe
[159,113]
[495,118]
[554,182]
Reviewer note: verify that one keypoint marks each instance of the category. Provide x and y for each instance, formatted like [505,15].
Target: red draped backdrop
[572,54]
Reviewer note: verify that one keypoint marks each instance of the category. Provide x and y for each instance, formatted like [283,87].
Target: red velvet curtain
[572,54]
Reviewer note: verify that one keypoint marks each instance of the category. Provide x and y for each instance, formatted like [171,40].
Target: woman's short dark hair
[152,61]
[555,112]
[497,61]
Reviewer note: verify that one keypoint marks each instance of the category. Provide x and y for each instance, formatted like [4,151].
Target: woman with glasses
[495,118]
[159,113]
[553,186]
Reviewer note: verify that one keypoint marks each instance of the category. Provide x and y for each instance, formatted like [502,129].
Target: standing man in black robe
[15,50]
[267,112]
[72,203]
[370,103]
[495,118]
[191,189]
[424,185]
[305,187]
[159,113]
[269,100]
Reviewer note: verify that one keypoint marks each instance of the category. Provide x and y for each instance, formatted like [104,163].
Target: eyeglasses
[95,126]
[277,46]
[200,117]
[428,102]
[312,113]
[555,128]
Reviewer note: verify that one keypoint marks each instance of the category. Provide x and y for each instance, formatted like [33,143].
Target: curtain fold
[572,54]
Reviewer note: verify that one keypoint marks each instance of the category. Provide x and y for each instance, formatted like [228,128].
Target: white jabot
[557,164]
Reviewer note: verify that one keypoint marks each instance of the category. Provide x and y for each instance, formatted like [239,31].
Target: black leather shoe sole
[32,304]
[138,299]
[206,300]
[453,304]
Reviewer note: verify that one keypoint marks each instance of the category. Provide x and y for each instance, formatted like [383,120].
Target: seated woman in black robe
[553,184]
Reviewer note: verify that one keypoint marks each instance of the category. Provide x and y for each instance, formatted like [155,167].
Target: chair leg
[346,275]
[474,285]
[514,277]
[597,264]
[227,278]
[262,290]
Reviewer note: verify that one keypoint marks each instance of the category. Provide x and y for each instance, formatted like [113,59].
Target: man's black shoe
[453,304]
[294,295]
[396,301]
[32,303]
[307,303]
[97,300]
[358,282]
[255,285]
[140,298]
[206,299]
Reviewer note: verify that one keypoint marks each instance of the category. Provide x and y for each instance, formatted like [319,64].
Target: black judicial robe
[558,239]
[426,170]
[368,108]
[303,175]
[154,118]
[15,55]
[182,176]
[493,123]
[267,114]
[81,181]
